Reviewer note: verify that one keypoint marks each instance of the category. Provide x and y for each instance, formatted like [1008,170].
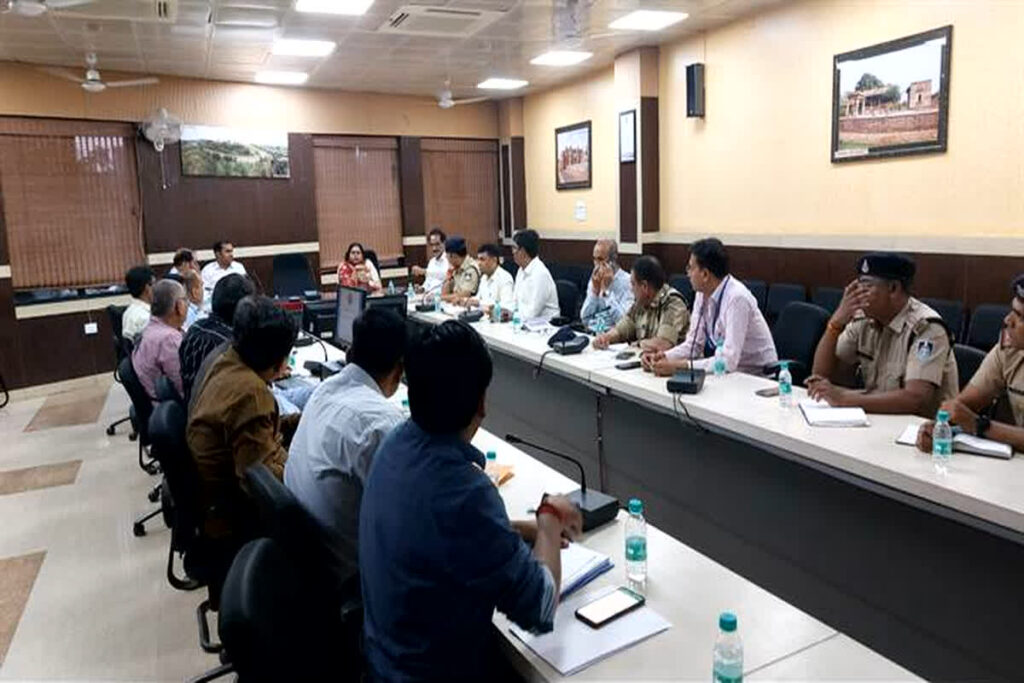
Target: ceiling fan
[445,101]
[34,8]
[92,82]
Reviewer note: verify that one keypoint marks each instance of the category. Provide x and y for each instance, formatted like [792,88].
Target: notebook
[963,443]
[821,414]
[580,566]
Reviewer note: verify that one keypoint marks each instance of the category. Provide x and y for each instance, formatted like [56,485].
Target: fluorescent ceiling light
[281,77]
[502,84]
[352,7]
[561,58]
[647,20]
[303,48]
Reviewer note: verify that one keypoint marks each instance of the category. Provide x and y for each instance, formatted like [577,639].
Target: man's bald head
[170,303]
[606,250]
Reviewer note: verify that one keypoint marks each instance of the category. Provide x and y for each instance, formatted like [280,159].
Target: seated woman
[356,271]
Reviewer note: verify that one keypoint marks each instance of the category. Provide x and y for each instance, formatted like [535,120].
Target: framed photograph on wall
[627,136]
[572,156]
[892,99]
[234,153]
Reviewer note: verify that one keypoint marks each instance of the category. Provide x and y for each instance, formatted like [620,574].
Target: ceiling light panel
[561,58]
[281,77]
[647,20]
[502,84]
[346,7]
[294,47]
[245,16]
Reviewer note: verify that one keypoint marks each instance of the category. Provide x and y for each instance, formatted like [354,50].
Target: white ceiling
[207,41]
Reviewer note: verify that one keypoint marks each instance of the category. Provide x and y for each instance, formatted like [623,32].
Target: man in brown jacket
[234,422]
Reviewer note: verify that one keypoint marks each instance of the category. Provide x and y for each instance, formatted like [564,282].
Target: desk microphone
[596,507]
[690,381]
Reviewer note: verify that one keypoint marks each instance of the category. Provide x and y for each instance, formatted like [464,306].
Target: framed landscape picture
[892,99]
[233,153]
[572,156]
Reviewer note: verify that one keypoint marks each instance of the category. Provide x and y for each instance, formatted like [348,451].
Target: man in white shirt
[496,285]
[224,263]
[183,260]
[436,271]
[726,311]
[610,292]
[341,427]
[535,293]
[140,285]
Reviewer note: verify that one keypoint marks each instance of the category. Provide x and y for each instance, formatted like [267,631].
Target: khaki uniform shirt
[233,423]
[910,347]
[666,317]
[1003,370]
[465,280]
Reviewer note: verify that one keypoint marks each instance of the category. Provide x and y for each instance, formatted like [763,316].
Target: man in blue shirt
[609,294]
[437,553]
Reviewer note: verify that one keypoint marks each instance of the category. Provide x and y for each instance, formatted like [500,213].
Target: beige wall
[592,98]
[759,163]
[26,91]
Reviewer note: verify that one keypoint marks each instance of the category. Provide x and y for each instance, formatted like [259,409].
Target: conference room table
[685,587]
[844,523]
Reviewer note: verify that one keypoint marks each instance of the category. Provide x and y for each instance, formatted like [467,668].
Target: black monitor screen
[396,302]
[349,307]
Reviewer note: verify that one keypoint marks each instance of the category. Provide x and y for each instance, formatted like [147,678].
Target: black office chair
[780,296]
[580,275]
[827,297]
[568,299]
[968,360]
[797,333]
[952,312]
[371,256]
[292,275]
[7,394]
[510,266]
[760,291]
[122,348]
[140,412]
[986,326]
[681,283]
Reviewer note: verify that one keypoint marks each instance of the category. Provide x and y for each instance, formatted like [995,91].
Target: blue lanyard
[709,343]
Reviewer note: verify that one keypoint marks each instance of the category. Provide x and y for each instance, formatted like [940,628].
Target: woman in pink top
[356,271]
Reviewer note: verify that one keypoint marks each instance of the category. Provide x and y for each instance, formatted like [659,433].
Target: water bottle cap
[943,416]
[635,506]
[727,622]
[405,403]
[719,343]
[784,364]
[491,455]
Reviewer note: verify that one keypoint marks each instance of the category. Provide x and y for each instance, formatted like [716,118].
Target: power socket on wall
[92,328]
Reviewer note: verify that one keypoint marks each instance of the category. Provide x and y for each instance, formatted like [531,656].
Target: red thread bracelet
[550,509]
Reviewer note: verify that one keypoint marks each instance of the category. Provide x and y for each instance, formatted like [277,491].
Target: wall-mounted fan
[161,128]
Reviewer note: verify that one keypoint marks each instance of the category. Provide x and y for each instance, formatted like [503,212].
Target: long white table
[845,523]
[684,586]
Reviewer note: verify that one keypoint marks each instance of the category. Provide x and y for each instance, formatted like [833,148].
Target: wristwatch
[981,425]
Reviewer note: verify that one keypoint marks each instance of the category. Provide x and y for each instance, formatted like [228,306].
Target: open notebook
[821,414]
[963,443]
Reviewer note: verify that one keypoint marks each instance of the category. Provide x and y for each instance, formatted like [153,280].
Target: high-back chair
[797,333]
[122,348]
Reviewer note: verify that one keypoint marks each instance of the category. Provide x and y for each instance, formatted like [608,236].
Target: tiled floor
[100,608]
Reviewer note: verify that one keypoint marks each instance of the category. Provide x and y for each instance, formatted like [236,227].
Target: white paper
[577,561]
[821,414]
[573,646]
[581,210]
[909,435]
[962,443]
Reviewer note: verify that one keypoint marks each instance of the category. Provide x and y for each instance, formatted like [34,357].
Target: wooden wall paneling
[627,202]
[411,186]
[518,183]
[196,211]
[505,153]
[649,159]
[4,258]
[56,348]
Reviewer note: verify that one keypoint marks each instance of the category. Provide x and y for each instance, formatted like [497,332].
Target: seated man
[224,264]
[727,312]
[900,347]
[658,318]
[140,285]
[535,293]
[437,552]
[156,353]
[342,425]
[463,276]
[496,284]
[233,422]
[193,285]
[436,271]
[210,332]
[1001,374]
[610,294]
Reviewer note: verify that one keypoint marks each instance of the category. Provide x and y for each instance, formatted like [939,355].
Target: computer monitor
[398,303]
[349,306]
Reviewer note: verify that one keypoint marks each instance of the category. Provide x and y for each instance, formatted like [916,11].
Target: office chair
[827,297]
[122,348]
[510,266]
[140,412]
[952,312]
[968,360]
[779,296]
[760,291]
[568,299]
[681,283]
[797,333]
[292,275]
[371,256]
[986,326]
[7,394]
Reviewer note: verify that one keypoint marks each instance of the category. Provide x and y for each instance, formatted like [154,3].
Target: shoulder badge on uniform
[924,348]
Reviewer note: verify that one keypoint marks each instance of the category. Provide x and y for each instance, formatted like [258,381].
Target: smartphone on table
[608,608]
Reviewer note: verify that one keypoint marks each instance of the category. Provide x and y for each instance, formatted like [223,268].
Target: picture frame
[213,151]
[573,157]
[627,136]
[884,98]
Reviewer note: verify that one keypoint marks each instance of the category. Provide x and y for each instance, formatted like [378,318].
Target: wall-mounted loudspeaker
[695,90]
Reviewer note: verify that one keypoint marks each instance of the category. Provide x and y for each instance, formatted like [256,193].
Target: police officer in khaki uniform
[463,273]
[1001,372]
[899,347]
[658,318]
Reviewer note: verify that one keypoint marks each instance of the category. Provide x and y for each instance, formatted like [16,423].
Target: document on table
[821,414]
[963,443]
[580,566]
[573,646]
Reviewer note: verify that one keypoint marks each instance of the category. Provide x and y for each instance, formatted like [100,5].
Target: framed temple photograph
[627,136]
[572,156]
[892,99]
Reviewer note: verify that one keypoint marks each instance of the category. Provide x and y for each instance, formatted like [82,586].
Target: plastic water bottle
[437,302]
[292,359]
[785,385]
[636,544]
[516,322]
[410,292]
[942,443]
[405,407]
[728,657]
[391,288]
[491,468]
[719,364]
[496,312]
